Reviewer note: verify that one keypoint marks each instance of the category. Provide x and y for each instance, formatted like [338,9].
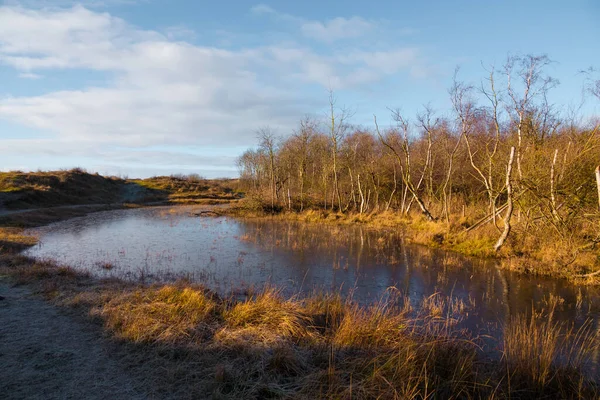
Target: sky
[155,87]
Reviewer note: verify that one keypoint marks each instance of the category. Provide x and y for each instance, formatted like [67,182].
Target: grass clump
[191,343]
[14,240]
[376,326]
[265,317]
[544,358]
[165,314]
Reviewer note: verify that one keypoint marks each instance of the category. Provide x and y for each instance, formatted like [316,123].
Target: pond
[231,255]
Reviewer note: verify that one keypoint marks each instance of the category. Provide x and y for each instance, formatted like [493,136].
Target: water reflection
[229,254]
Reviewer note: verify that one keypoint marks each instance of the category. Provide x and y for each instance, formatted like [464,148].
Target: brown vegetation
[192,189]
[187,342]
[22,190]
[506,174]
[191,343]
[75,187]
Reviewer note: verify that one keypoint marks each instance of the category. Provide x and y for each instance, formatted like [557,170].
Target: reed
[189,342]
[543,357]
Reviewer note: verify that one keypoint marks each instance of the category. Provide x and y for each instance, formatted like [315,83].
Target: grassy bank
[19,190]
[192,189]
[564,253]
[572,258]
[76,187]
[192,343]
[188,342]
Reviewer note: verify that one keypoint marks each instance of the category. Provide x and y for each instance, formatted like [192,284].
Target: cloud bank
[159,90]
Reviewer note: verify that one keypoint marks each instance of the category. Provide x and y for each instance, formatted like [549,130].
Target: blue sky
[146,87]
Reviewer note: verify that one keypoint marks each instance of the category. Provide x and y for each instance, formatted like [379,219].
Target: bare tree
[492,148]
[337,130]
[460,96]
[267,143]
[595,90]
[509,202]
[406,178]
[308,127]
[529,70]
[424,121]
[598,183]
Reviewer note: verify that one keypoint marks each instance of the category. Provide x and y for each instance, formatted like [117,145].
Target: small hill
[27,190]
[191,189]
[19,190]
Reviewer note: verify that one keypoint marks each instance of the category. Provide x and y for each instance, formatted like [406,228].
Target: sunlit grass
[14,240]
[537,252]
[542,355]
[321,345]
[166,314]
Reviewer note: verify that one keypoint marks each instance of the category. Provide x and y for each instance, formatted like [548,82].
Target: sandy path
[46,354]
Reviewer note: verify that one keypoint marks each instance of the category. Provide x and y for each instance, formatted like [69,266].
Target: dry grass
[536,252]
[267,318]
[13,240]
[190,343]
[545,358]
[380,325]
[165,314]
[53,188]
[31,190]
[192,189]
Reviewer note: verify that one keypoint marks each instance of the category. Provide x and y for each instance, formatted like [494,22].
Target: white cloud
[260,9]
[161,92]
[387,62]
[336,29]
[328,31]
[263,9]
[180,32]
[75,37]
[29,75]
[69,3]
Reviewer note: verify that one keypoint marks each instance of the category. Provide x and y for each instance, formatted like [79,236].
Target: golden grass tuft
[189,342]
[265,317]
[379,325]
[544,357]
[13,240]
[326,311]
[165,314]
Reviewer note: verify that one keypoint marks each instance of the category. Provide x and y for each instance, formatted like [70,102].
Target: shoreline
[318,346]
[416,230]
[179,326]
[432,234]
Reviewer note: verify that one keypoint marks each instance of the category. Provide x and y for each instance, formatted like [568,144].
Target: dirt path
[45,354]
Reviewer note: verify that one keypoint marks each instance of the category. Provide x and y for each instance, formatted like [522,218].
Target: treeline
[503,157]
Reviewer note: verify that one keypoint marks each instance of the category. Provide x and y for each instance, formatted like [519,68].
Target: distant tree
[337,129]
[267,144]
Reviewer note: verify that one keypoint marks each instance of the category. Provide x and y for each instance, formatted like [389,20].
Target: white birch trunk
[509,203]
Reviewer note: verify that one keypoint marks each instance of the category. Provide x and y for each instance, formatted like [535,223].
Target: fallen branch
[486,218]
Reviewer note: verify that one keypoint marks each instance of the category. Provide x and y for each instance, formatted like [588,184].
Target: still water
[231,255]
